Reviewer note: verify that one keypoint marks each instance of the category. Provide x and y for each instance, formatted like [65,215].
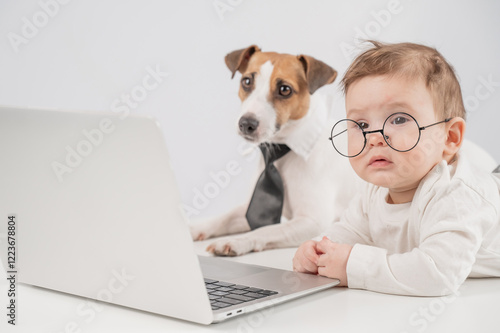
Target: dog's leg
[232,222]
[288,234]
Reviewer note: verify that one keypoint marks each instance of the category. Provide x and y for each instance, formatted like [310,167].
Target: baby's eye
[399,120]
[363,125]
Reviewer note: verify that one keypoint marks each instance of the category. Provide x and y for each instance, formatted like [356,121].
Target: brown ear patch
[238,60]
[317,72]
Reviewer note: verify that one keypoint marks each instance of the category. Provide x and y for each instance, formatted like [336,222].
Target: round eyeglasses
[400,131]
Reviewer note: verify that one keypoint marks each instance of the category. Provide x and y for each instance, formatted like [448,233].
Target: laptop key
[239,292]
[210,280]
[240,297]
[268,292]
[224,284]
[230,301]
[239,286]
[218,293]
[221,305]
[225,289]
[254,290]
[254,295]
[212,286]
[213,297]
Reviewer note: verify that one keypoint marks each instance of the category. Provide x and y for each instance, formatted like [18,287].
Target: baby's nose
[376,139]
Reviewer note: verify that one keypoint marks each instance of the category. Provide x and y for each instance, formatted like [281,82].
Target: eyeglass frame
[381,131]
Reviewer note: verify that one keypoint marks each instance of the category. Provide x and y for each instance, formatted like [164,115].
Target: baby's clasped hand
[306,258]
[333,259]
[325,258]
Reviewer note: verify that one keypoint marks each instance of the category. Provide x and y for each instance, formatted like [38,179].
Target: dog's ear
[317,72]
[238,60]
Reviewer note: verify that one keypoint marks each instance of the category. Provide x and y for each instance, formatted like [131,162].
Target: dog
[279,106]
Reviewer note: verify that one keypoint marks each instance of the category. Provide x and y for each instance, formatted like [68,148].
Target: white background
[85,54]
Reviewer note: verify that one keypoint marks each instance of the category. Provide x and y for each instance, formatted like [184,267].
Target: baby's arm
[451,232]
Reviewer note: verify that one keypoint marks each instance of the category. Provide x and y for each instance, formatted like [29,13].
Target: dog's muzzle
[248,125]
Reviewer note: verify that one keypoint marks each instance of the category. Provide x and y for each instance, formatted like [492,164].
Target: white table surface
[476,309]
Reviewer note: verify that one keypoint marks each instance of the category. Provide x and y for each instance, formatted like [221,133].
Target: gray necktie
[267,200]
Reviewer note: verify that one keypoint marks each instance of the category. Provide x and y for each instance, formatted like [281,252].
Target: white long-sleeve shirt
[427,247]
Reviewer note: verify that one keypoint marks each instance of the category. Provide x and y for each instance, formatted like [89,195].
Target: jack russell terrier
[279,106]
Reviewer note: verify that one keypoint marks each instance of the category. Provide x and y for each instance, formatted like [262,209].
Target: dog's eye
[246,83]
[285,90]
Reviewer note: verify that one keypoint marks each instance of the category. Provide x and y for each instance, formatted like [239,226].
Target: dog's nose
[248,125]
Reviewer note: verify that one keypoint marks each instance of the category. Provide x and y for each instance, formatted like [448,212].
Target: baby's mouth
[379,161]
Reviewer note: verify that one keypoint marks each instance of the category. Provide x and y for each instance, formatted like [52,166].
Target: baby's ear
[455,136]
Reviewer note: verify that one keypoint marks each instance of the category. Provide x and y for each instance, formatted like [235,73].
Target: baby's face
[369,102]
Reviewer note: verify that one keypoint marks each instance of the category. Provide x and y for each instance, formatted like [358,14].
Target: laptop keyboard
[223,294]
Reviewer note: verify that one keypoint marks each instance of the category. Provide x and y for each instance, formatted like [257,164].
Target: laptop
[98,214]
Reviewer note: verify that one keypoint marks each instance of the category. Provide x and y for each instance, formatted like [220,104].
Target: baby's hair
[411,61]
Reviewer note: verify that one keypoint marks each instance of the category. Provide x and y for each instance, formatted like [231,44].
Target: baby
[428,217]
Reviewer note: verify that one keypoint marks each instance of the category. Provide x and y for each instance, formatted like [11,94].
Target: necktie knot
[273,152]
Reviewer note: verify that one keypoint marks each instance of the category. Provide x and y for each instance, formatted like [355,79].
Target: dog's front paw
[199,231]
[231,246]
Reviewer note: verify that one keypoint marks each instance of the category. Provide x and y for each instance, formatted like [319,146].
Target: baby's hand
[306,258]
[333,262]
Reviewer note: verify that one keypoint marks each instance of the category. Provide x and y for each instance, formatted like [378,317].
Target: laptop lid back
[98,212]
